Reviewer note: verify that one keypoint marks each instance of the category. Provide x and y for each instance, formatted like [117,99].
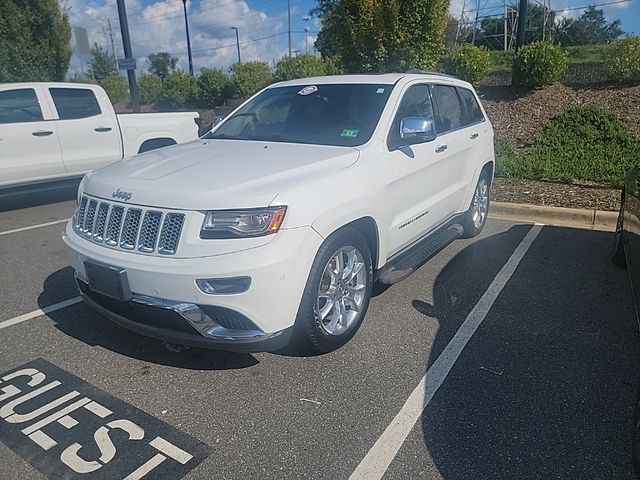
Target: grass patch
[585,144]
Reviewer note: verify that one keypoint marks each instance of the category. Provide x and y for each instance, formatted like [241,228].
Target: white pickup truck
[50,131]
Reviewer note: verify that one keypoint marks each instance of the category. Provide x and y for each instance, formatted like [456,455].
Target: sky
[158,25]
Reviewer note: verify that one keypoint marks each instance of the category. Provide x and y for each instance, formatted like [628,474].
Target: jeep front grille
[128,227]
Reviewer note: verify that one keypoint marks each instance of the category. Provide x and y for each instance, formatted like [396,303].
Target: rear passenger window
[450,113]
[75,103]
[19,106]
[473,113]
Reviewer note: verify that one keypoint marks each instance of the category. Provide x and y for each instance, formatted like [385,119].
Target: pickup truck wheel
[476,217]
[336,297]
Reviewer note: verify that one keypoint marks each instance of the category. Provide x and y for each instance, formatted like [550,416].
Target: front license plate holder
[108,280]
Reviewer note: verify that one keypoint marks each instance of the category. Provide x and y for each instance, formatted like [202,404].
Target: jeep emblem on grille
[122,195]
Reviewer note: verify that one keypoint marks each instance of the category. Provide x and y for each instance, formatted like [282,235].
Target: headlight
[253,222]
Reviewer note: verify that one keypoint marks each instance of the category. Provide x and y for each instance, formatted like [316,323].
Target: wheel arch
[155,143]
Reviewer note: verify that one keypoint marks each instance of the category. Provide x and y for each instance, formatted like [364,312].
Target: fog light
[223,286]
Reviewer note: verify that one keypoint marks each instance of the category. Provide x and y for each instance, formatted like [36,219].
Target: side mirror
[217,120]
[415,130]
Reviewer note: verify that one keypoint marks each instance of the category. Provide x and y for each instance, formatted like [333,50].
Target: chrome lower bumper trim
[199,320]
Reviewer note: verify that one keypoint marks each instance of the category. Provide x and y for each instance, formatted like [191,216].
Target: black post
[186,26]
[126,43]
[237,42]
[522,23]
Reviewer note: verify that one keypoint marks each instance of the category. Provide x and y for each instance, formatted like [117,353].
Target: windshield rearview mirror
[417,130]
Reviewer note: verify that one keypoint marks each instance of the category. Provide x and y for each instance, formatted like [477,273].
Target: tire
[636,436]
[321,327]
[475,218]
[617,254]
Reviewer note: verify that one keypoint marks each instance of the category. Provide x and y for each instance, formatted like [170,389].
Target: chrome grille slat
[127,227]
[101,222]
[130,227]
[170,233]
[88,221]
[113,227]
[149,231]
[80,215]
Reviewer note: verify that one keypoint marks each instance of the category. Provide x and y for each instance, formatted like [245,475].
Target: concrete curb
[574,217]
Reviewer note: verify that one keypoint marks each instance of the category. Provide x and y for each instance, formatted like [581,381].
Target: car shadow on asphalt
[82,323]
[546,387]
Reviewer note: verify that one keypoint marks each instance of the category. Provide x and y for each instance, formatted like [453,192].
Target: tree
[161,64]
[116,87]
[101,65]
[290,68]
[34,41]
[214,87]
[591,27]
[250,77]
[376,35]
[179,89]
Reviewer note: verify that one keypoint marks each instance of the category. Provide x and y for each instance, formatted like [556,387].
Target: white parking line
[40,311]
[34,226]
[375,463]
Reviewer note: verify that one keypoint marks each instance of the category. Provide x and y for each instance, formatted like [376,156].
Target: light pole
[186,26]
[237,42]
[306,19]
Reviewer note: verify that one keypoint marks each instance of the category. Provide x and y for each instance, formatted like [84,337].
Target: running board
[404,264]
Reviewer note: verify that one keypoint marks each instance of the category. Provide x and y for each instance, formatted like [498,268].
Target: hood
[216,174]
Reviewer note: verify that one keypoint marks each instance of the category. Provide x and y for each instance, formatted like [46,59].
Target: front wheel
[337,294]
[476,217]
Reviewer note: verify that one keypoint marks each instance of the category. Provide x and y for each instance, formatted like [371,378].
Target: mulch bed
[518,115]
[554,194]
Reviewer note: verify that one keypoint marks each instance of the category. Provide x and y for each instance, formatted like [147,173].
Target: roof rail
[424,72]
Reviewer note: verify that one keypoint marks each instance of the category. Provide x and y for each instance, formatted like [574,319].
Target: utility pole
[186,26]
[306,19]
[237,42]
[522,23]
[289,14]
[113,45]
[505,25]
[128,54]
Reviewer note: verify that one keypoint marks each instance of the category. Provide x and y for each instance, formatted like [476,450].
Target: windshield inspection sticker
[347,132]
[380,90]
[69,429]
[308,90]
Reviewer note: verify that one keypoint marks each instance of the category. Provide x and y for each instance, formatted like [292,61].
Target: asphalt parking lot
[529,332]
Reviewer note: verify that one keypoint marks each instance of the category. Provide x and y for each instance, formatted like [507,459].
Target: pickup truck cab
[50,131]
[276,224]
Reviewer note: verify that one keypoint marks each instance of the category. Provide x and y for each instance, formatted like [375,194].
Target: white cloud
[160,26]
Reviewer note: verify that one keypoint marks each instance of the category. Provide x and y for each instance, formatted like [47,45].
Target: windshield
[334,114]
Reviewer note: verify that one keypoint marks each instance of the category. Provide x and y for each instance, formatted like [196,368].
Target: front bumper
[167,304]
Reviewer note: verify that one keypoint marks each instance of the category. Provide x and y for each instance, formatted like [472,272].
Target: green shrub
[116,87]
[585,144]
[333,65]
[507,160]
[214,87]
[250,77]
[179,89]
[624,59]
[468,62]
[150,88]
[290,68]
[539,63]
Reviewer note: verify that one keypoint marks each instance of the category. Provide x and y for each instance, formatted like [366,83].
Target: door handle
[441,148]
[102,129]
[42,133]
[474,136]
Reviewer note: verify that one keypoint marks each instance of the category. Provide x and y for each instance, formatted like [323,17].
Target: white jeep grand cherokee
[277,223]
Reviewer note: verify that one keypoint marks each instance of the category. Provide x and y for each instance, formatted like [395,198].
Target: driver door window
[415,103]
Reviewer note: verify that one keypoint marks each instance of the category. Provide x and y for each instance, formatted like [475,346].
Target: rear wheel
[476,217]
[336,297]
